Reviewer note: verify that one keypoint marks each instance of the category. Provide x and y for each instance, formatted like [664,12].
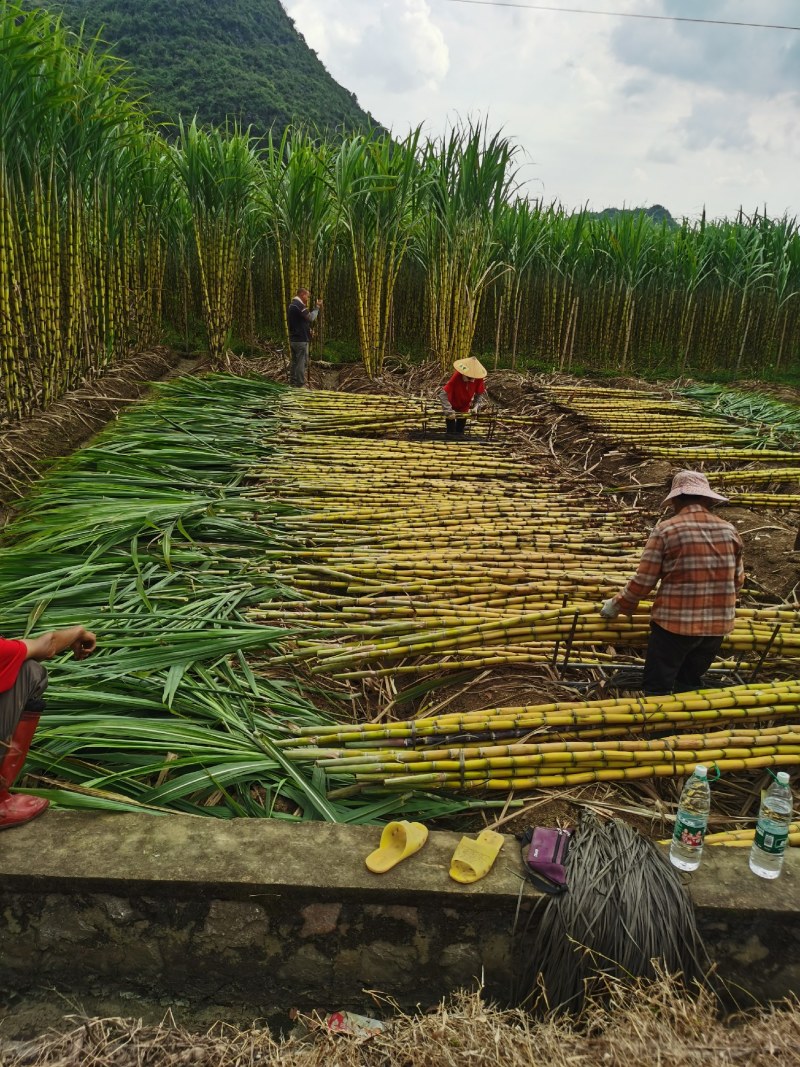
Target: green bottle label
[772,840]
[689,830]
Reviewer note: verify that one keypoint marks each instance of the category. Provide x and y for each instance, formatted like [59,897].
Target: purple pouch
[544,853]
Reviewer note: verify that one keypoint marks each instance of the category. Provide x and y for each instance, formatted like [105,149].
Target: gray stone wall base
[255,913]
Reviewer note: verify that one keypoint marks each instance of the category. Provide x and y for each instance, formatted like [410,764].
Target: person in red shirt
[23,680]
[464,391]
[697,557]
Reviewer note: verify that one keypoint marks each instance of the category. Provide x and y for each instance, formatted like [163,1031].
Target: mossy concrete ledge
[255,912]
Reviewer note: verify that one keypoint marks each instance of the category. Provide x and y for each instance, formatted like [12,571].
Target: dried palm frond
[625,914]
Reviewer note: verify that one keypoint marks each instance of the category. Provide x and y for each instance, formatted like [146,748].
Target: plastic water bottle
[691,822]
[772,829]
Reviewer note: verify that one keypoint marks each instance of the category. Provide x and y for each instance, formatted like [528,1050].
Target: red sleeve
[12,655]
[481,386]
[448,386]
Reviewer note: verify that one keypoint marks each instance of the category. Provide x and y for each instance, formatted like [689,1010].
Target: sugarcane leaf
[173,680]
[311,797]
[34,616]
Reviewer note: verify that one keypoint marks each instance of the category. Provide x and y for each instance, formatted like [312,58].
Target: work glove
[609,610]
[447,408]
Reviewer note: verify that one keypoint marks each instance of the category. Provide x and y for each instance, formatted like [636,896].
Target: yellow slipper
[398,840]
[472,860]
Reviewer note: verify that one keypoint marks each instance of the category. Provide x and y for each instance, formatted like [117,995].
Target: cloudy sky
[606,110]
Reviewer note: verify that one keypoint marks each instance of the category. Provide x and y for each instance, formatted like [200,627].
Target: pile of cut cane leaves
[147,538]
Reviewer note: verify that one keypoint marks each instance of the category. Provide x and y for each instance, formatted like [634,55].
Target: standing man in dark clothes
[697,558]
[300,322]
[23,680]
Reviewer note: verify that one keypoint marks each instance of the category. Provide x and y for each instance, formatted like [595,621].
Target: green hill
[656,213]
[235,59]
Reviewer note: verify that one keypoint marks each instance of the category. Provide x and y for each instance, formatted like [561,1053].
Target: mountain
[220,59]
[657,213]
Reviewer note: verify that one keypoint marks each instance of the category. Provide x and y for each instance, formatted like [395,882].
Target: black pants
[676,663]
[456,425]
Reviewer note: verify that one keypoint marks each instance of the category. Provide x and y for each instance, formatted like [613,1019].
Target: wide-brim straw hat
[693,483]
[472,367]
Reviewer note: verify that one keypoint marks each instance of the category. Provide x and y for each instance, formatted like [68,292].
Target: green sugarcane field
[284,581]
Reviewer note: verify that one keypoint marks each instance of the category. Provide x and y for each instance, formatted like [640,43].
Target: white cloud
[605,110]
[761,62]
[390,45]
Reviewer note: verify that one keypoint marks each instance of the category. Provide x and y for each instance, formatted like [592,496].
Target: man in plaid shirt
[697,557]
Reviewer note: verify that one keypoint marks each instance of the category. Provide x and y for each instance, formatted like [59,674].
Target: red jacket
[12,655]
[461,393]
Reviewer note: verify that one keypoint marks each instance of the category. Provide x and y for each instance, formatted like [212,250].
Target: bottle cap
[701,771]
[783,777]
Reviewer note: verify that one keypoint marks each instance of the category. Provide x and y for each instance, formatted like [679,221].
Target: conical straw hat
[473,368]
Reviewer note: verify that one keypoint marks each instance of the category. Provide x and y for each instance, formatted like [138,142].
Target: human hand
[319,303]
[84,646]
[609,610]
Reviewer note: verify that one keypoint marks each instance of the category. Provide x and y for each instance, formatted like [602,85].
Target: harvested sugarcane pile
[247,554]
[417,557]
[731,450]
[327,411]
[562,744]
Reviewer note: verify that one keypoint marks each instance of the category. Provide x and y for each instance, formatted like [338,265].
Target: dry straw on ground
[648,1023]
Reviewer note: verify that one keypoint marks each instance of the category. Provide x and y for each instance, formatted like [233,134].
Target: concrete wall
[250,912]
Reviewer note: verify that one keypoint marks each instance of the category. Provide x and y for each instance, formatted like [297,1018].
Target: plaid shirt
[698,558]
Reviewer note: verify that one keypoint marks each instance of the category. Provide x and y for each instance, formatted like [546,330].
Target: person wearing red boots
[23,680]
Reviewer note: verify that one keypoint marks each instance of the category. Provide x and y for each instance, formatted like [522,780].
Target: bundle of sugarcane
[589,718]
[324,411]
[392,566]
[639,415]
[328,411]
[562,744]
[373,650]
[744,838]
[766,474]
[684,435]
[787,501]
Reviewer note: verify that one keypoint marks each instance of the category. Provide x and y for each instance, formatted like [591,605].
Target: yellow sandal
[398,841]
[472,860]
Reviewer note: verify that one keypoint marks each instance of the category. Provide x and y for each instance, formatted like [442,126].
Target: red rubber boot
[17,808]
